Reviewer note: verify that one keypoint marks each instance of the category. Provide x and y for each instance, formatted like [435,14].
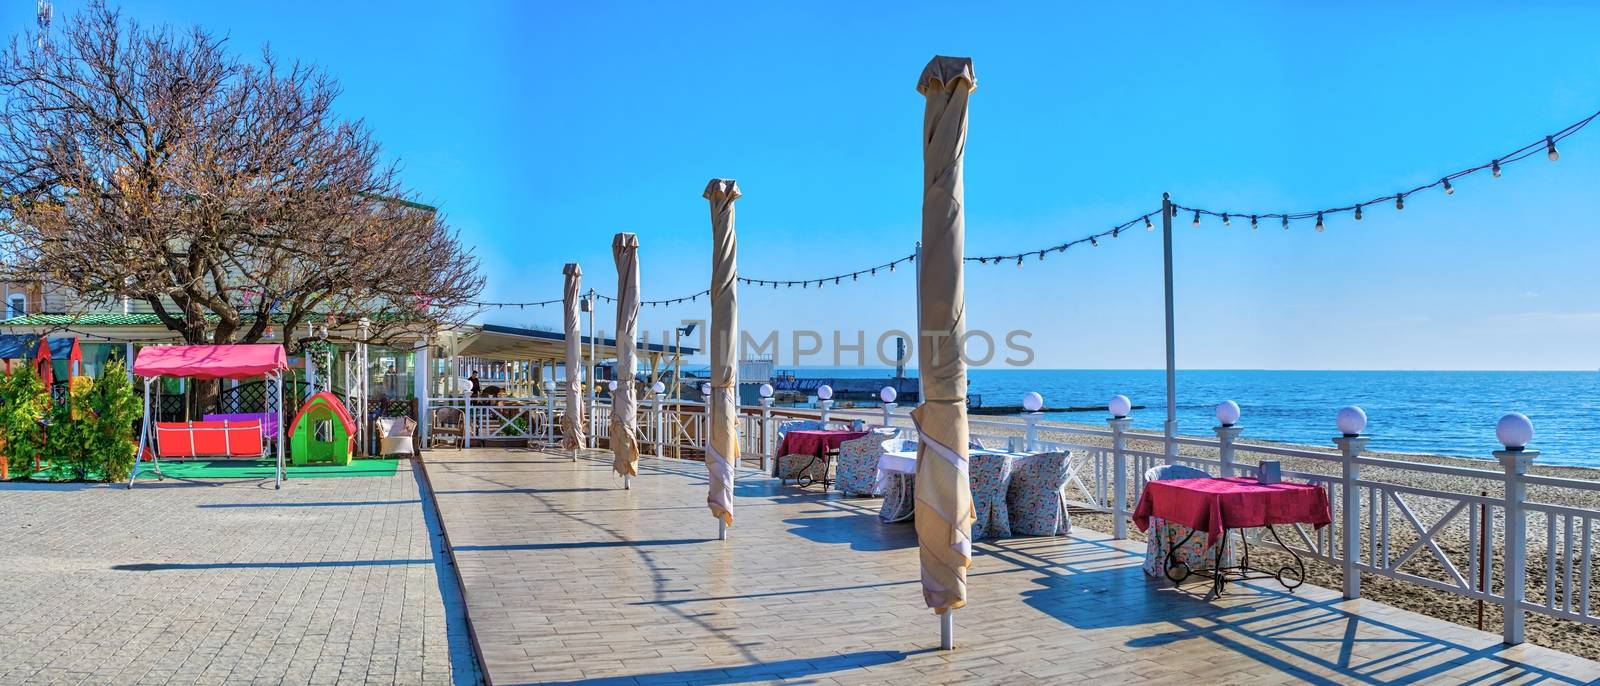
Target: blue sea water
[1428,412]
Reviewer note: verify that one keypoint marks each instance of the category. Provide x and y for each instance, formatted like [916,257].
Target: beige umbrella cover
[572,423]
[944,512]
[624,401]
[722,452]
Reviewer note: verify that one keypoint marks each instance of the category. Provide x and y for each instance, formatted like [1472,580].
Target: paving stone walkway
[327,581]
[571,580]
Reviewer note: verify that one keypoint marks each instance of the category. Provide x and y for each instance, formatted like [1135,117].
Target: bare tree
[150,163]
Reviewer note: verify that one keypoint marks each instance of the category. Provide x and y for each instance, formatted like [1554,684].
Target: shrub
[67,445]
[116,408]
[23,402]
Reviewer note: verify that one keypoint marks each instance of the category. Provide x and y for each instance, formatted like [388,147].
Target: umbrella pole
[627,482]
[947,630]
[722,530]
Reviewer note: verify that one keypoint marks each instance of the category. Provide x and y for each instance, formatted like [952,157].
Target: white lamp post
[549,411]
[1032,402]
[766,427]
[660,391]
[1227,431]
[825,396]
[887,394]
[1515,431]
[1119,423]
[1351,421]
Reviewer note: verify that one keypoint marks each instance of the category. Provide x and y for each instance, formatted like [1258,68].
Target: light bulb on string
[1400,201]
[891,266]
[1319,222]
[1494,168]
[1094,242]
[1358,213]
[1197,219]
[1286,222]
[1253,225]
[1019,262]
[1041,254]
[1448,190]
[1225,221]
[1147,225]
[1550,149]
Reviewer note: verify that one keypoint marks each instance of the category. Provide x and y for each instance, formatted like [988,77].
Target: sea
[1421,412]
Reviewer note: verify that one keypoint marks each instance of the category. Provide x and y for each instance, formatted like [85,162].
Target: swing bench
[225,438]
[221,437]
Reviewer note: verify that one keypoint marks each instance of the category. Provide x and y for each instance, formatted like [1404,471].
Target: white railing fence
[1463,530]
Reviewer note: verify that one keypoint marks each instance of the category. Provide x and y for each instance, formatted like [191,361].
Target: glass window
[18,306]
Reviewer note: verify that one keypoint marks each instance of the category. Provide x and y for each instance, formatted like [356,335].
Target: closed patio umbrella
[722,452]
[624,403]
[572,423]
[944,512]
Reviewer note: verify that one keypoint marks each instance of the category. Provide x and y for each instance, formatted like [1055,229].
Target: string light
[1445,182]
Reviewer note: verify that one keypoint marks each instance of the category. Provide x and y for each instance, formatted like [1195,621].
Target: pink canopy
[239,361]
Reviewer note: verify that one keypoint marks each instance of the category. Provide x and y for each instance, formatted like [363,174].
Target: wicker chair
[447,425]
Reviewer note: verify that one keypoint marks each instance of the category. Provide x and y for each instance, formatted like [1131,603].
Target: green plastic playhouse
[323,431]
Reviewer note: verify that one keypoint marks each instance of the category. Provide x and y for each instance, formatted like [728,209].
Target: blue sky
[542,129]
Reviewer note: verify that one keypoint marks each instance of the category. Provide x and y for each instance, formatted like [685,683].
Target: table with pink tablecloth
[815,442]
[1216,506]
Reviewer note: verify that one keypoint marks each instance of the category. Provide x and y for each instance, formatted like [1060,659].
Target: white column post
[1031,437]
[1226,435]
[1119,476]
[549,415]
[420,388]
[766,435]
[466,420]
[661,424]
[363,377]
[947,630]
[1350,447]
[128,362]
[1515,462]
[827,406]
[888,414]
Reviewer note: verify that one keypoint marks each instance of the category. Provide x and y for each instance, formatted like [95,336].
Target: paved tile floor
[571,580]
[328,581]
